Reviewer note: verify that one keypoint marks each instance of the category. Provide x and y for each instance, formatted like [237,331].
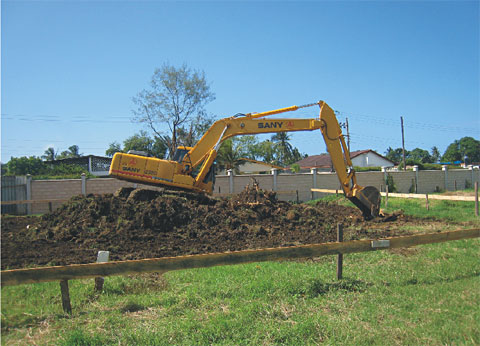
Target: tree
[418,155]
[113,148]
[283,148]
[395,155]
[464,147]
[25,165]
[50,154]
[435,154]
[230,155]
[176,99]
[139,142]
[72,152]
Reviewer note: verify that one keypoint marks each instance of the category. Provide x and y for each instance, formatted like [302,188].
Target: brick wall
[427,181]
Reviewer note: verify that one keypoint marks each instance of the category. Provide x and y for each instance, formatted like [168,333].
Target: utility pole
[403,145]
[348,135]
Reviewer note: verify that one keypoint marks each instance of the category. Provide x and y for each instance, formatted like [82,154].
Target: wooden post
[298,200]
[476,198]
[339,256]
[102,257]
[386,196]
[454,185]
[336,193]
[427,204]
[50,208]
[67,307]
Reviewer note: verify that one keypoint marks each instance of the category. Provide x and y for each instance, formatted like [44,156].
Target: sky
[69,69]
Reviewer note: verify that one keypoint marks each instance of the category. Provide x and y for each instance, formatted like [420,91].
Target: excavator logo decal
[132,162]
[270,125]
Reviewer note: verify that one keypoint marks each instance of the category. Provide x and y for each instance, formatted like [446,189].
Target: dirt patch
[136,224]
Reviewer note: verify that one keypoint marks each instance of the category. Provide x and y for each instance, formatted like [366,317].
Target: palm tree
[49,154]
[283,148]
[229,157]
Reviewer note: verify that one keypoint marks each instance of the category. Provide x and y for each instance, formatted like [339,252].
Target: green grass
[424,296]
[453,211]
[427,295]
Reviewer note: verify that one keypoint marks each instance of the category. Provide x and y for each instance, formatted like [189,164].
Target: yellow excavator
[192,169]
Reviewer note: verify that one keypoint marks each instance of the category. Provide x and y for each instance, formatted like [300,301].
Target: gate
[14,189]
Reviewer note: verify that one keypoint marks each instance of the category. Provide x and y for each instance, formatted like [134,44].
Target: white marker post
[102,257]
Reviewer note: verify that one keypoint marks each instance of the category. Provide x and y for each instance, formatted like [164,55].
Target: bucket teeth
[368,201]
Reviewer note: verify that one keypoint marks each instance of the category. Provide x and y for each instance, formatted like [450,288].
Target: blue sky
[70,69]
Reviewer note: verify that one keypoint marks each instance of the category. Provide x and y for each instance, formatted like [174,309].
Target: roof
[324,160]
[261,163]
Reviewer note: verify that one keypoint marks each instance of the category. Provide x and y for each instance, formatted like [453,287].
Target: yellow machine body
[192,168]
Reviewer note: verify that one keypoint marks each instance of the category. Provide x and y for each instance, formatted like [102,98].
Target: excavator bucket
[368,201]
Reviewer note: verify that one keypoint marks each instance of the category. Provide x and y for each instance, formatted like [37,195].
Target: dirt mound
[135,224]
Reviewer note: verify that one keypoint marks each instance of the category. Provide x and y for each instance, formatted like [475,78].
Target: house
[253,167]
[360,158]
[96,165]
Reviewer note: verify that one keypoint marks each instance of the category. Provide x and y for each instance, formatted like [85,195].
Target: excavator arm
[192,169]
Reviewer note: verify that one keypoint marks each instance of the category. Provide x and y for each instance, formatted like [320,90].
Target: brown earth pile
[135,224]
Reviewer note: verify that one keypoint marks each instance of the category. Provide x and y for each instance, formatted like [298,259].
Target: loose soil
[137,224]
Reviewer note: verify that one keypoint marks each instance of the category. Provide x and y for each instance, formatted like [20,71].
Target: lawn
[424,295]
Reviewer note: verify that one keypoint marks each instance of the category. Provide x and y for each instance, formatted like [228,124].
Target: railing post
[445,172]
[230,179]
[476,198]
[415,169]
[29,193]
[314,175]
[274,174]
[470,167]
[384,171]
[84,184]
[340,255]
[67,307]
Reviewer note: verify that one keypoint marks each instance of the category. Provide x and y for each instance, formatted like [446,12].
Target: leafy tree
[140,142]
[176,99]
[266,151]
[113,148]
[295,168]
[395,155]
[50,154]
[25,165]
[435,154]
[418,155]
[466,146]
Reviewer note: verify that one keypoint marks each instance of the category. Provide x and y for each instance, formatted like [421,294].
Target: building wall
[287,184]
[370,160]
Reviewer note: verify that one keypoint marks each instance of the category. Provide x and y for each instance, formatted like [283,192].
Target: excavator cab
[180,153]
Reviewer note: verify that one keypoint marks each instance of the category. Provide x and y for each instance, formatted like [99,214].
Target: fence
[162,265]
[14,189]
[293,187]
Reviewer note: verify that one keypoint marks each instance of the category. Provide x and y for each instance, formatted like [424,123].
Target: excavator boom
[192,168]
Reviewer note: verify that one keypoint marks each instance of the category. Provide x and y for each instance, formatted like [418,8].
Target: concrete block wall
[302,182]
[430,181]
[427,182]
[53,189]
